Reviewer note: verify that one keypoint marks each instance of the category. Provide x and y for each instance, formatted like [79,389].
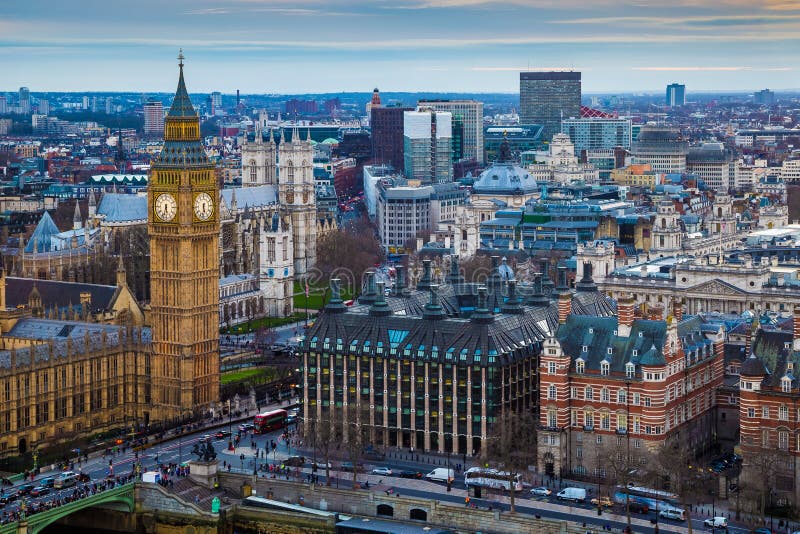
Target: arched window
[253,171]
[551,392]
[290,173]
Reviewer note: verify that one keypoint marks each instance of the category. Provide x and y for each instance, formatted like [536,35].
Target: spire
[76,218]
[122,275]
[92,204]
[308,134]
[271,137]
[233,200]
[181,104]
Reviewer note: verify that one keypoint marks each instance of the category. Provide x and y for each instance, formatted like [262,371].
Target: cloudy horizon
[316,46]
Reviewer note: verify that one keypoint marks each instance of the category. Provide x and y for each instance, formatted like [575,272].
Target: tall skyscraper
[427,146]
[44,106]
[3,105]
[546,98]
[153,117]
[764,97]
[183,225]
[676,95]
[386,124]
[470,114]
[24,100]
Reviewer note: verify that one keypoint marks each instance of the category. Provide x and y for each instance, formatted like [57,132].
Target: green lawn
[266,322]
[253,376]
[315,295]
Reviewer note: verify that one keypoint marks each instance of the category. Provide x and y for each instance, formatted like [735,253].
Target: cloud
[209,11]
[526,69]
[712,69]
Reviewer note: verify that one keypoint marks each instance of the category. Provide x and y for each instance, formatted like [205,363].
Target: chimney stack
[677,309]
[625,314]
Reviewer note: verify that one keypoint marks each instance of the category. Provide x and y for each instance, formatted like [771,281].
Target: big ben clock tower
[183,225]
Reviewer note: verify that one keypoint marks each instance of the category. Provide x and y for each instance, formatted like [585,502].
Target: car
[716,522]
[6,498]
[541,491]
[348,466]
[603,501]
[409,473]
[39,491]
[47,482]
[761,530]
[295,461]
[638,507]
[385,471]
[24,489]
[291,419]
[245,427]
[222,434]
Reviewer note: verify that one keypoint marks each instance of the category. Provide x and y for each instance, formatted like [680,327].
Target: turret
[433,309]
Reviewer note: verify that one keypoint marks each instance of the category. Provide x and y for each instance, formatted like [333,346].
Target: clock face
[166,207]
[203,206]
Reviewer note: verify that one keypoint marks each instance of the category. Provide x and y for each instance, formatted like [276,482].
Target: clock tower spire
[183,225]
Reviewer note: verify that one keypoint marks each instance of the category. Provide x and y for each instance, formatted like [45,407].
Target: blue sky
[294,46]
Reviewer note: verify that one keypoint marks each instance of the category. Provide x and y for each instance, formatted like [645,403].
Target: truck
[572,494]
[441,474]
[153,477]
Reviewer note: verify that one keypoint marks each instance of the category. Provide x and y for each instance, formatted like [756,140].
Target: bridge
[119,498]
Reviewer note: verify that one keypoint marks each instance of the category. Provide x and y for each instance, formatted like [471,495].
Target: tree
[622,467]
[762,473]
[477,268]
[356,435]
[349,252]
[325,435]
[513,446]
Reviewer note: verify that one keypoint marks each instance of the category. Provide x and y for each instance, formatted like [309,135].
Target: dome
[330,141]
[504,177]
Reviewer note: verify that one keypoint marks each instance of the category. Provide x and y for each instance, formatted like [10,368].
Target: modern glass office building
[597,133]
[547,98]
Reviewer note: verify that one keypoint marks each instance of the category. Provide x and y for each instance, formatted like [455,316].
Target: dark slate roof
[181,104]
[773,352]
[752,366]
[61,295]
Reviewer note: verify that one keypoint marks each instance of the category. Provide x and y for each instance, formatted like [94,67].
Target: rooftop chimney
[379,308]
[513,305]
[538,298]
[335,304]
[433,309]
[427,280]
[482,313]
[625,314]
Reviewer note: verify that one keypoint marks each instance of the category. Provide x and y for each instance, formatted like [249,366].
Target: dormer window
[786,384]
[629,370]
[605,367]
[584,349]
[641,334]
[789,367]
[591,330]
[635,352]
[580,366]
[609,350]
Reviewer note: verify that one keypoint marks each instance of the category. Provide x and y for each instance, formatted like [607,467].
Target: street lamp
[230,426]
[35,459]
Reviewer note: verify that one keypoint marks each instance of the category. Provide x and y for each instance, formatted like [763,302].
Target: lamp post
[230,426]
[35,459]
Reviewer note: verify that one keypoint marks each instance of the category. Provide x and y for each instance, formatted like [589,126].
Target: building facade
[471,115]
[597,133]
[663,148]
[676,95]
[427,146]
[547,98]
[183,226]
[386,124]
[153,117]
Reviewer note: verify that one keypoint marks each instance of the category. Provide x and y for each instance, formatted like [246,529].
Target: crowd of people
[63,497]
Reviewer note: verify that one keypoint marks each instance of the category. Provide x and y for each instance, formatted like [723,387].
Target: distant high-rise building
[3,105]
[154,117]
[109,106]
[597,133]
[386,124]
[85,102]
[469,113]
[295,106]
[676,95]
[94,104]
[375,102]
[546,98]
[764,97]
[44,106]
[427,148]
[24,100]
[216,102]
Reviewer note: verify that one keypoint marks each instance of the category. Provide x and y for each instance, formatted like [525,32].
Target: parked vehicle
[541,491]
[441,474]
[716,522]
[348,466]
[572,494]
[603,501]
[639,507]
[24,489]
[385,471]
[410,473]
[673,513]
[47,482]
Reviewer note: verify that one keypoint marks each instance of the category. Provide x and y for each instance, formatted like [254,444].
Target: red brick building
[769,413]
[621,381]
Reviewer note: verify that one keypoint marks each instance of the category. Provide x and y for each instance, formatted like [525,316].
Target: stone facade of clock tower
[183,225]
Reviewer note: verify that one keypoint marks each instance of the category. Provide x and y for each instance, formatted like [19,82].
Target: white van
[66,479]
[673,513]
[572,494]
[153,477]
[441,474]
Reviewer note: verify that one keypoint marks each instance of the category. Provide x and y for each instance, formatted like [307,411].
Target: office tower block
[386,124]
[153,117]
[676,95]
[468,115]
[427,146]
[546,98]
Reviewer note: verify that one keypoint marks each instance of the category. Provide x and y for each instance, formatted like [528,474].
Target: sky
[298,46]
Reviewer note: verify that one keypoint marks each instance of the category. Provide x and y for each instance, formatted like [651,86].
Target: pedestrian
[466,501]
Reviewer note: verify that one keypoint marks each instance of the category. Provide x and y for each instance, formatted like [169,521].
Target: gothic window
[290,173]
[285,248]
[271,250]
[253,171]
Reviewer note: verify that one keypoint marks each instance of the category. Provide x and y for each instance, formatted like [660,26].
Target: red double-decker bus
[269,421]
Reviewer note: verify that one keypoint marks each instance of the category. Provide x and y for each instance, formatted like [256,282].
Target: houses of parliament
[77,359]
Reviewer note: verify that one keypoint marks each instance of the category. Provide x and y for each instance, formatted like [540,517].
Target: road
[178,450]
